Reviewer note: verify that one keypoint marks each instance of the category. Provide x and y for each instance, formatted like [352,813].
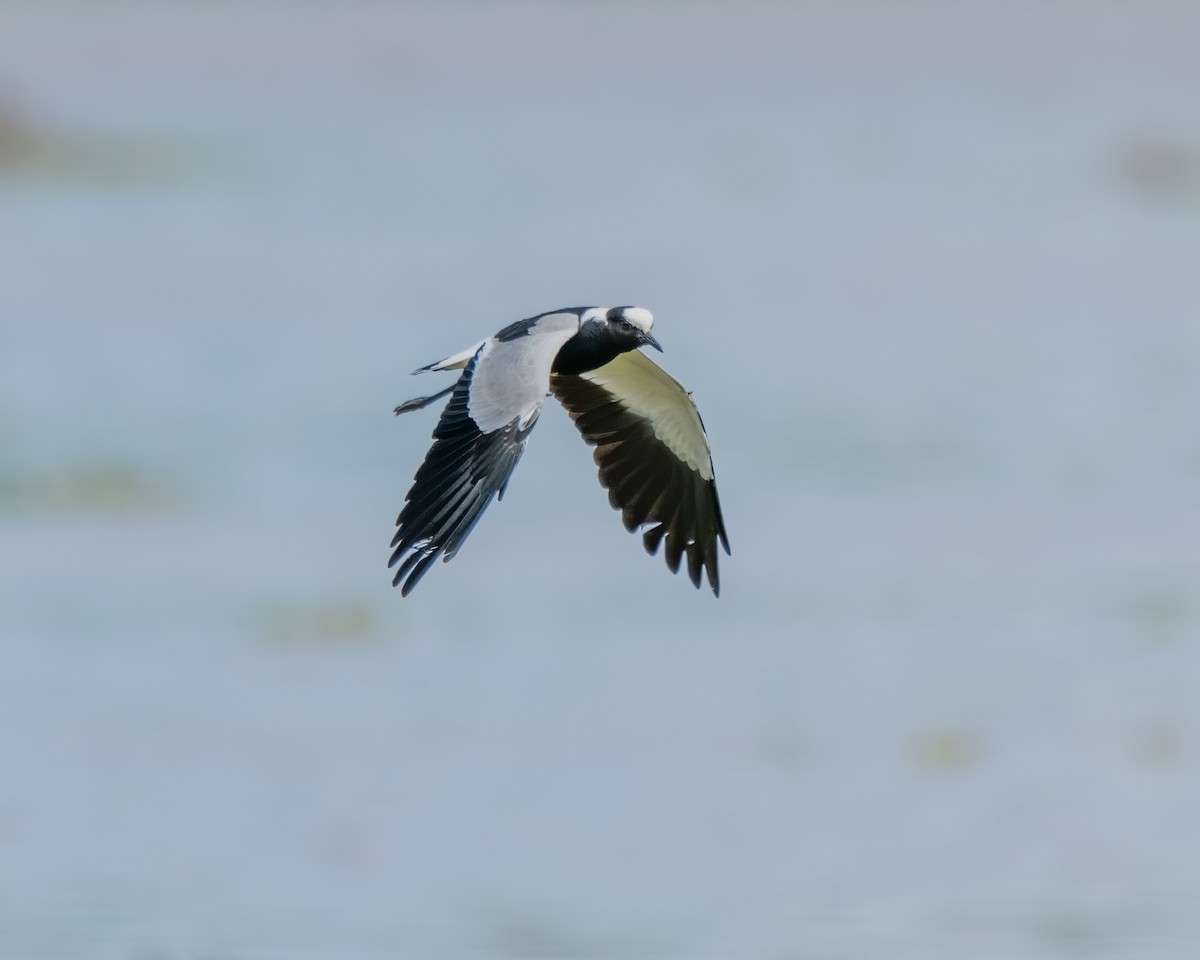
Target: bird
[650,444]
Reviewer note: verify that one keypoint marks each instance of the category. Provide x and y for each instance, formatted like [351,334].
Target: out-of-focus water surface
[933,272]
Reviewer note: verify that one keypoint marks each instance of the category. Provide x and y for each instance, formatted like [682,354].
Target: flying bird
[651,448]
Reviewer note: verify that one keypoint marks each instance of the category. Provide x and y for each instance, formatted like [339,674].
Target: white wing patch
[512,377]
[644,388]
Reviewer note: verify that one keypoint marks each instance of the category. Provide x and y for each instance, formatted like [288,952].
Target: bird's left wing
[653,457]
[477,442]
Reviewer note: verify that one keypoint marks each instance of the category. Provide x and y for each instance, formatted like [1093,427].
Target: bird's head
[628,326]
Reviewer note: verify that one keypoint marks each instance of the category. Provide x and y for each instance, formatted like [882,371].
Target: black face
[622,329]
[616,317]
[597,343]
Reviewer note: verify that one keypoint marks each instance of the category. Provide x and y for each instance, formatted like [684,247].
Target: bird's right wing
[653,457]
[477,442]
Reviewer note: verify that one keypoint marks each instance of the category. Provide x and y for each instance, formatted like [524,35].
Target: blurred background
[932,271]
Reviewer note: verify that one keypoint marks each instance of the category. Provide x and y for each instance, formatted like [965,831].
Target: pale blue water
[932,274]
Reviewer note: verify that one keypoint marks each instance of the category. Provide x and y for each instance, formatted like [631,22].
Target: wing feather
[653,458]
[478,440]
[463,470]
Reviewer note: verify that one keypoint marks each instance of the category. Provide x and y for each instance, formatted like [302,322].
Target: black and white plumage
[650,443]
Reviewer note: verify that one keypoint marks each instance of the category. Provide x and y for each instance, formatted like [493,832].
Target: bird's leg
[419,403]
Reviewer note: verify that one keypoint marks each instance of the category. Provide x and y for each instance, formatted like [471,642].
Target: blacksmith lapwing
[650,444]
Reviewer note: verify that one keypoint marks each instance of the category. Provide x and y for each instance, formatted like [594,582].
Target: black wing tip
[709,564]
[702,562]
[414,567]
[704,565]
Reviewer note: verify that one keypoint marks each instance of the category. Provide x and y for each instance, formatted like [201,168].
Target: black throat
[593,346]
